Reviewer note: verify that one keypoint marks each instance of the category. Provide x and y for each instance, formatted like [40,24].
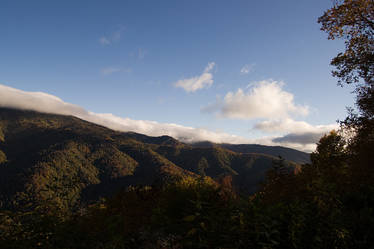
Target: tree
[353,20]
[2,157]
[330,151]
[202,166]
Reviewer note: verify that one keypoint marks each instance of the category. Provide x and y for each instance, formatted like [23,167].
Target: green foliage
[2,157]
[332,189]
[2,138]
[326,204]
[330,150]
[202,166]
[311,209]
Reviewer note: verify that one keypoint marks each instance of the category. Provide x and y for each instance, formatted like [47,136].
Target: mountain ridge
[284,152]
[70,161]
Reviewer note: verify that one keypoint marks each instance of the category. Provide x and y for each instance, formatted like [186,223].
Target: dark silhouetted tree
[353,20]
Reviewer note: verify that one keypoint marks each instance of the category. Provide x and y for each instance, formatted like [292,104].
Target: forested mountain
[46,157]
[54,170]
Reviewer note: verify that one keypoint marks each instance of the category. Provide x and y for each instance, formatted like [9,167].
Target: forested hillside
[72,162]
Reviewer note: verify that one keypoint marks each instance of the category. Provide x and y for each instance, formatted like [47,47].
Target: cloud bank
[47,103]
[303,138]
[205,80]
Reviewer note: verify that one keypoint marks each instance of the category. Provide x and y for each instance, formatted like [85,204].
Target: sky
[225,71]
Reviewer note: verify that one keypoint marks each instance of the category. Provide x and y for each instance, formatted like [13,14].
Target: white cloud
[247,68]
[264,99]
[209,67]
[112,38]
[37,101]
[47,103]
[268,101]
[43,102]
[111,70]
[193,84]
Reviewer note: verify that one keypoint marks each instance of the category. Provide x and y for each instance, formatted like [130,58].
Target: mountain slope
[53,157]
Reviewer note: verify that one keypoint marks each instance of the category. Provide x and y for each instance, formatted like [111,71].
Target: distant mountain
[47,157]
[286,153]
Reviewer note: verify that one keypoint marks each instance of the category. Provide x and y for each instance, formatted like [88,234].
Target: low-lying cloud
[302,138]
[264,99]
[47,103]
[205,80]
[37,101]
[300,134]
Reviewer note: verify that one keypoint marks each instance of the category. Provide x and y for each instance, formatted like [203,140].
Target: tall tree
[353,21]
[330,151]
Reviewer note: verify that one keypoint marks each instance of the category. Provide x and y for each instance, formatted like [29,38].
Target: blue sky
[126,57]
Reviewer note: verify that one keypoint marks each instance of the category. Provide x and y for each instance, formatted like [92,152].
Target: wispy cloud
[142,53]
[265,99]
[193,84]
[247,68]
[112,37]
[111,70]
[104,41]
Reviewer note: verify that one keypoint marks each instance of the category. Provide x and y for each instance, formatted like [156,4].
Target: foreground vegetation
[329,204]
